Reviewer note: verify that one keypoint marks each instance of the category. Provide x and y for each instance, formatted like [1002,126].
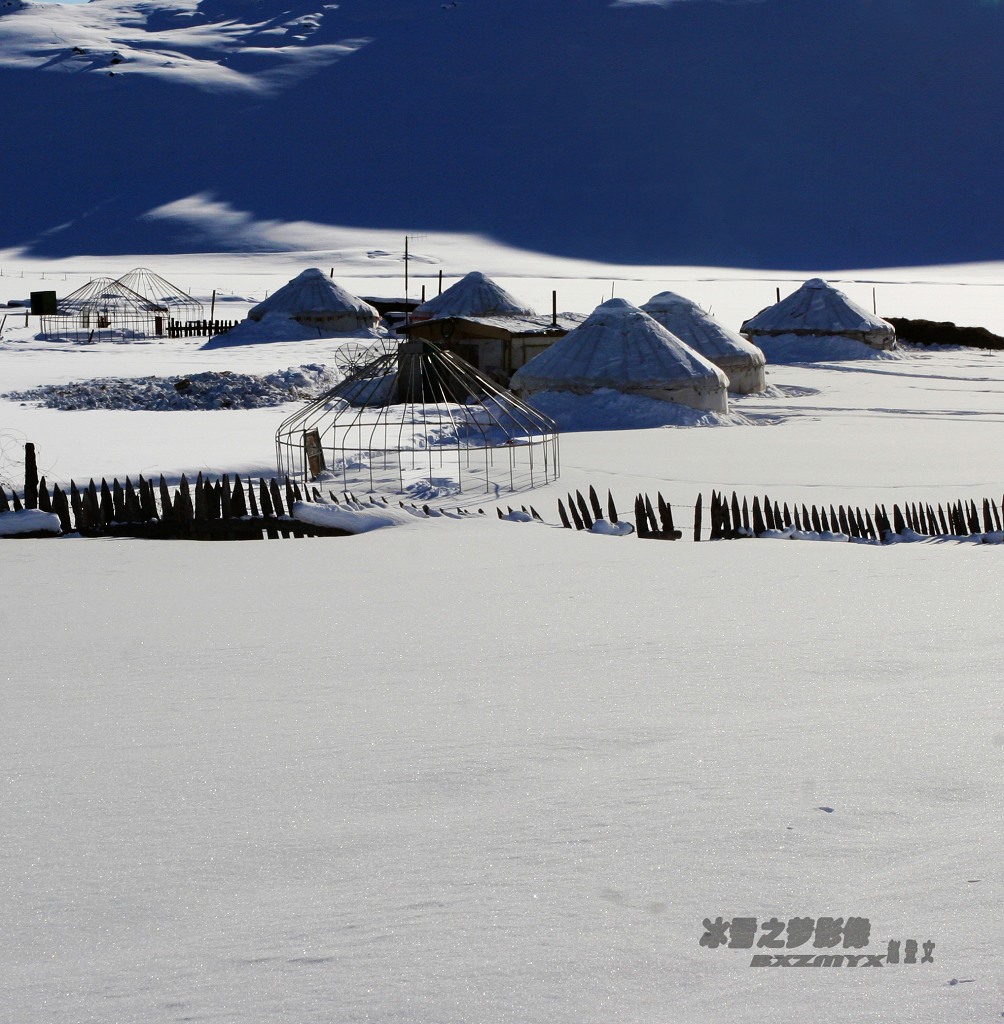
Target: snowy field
[494,772]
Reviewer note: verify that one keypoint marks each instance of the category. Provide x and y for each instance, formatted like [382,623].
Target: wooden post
[44,505]
[697,517]
[212,308]
[30,476]
[587,520]
[574,512]
[563,515]
[554,308]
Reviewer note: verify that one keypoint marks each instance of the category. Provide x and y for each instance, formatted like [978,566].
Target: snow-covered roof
[313,292]
[617,346]
[519,325]
[701,331]
[474,295]
[819,307]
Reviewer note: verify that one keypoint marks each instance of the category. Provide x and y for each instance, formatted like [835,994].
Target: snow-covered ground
[485,771]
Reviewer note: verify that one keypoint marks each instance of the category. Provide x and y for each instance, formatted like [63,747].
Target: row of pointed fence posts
[223,509]
[962,518]
[582,514]
[731,518]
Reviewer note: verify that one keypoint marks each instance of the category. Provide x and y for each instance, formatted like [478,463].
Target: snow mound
[357,519]
[212,390]
[272,327]
[609,409]
[818,348]
[28,520]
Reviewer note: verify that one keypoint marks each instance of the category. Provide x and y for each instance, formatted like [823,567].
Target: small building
[742,362]
[314,299]
[818,310]
[486,326]
[620,346]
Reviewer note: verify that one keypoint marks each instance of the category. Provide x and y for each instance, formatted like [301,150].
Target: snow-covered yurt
[818,310]
[314,299]
[742,362]
[475,294]
[484,324]
[620,346]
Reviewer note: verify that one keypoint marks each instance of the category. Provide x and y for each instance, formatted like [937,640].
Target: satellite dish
[353,356]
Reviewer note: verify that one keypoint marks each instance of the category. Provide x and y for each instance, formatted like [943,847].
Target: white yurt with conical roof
[817,309]
[741,360]
[475,294]
[620,346]
[314,299]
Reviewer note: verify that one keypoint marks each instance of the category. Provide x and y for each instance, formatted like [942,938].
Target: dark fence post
[30,476]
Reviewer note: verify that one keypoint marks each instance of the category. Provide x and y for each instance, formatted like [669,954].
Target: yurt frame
[103,310]
[160,292]
[424,413]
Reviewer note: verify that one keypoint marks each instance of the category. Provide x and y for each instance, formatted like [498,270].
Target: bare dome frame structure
[104,310]
[420,421]
[160,292]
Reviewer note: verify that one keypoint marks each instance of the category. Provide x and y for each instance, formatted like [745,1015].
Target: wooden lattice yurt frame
[418,420]
[105,310]
[159,291]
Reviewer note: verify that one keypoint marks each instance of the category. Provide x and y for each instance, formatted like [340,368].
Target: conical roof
[620,346]
[473,295]
[819,308]
[314,293]
[701,331]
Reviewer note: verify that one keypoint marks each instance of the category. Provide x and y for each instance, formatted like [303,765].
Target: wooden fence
[199,328]
[732,519]
[232,509]
[205,510]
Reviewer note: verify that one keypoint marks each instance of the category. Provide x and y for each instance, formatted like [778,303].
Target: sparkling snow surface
[491,772]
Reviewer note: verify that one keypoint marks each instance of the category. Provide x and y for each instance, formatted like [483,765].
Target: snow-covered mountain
[794,133]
